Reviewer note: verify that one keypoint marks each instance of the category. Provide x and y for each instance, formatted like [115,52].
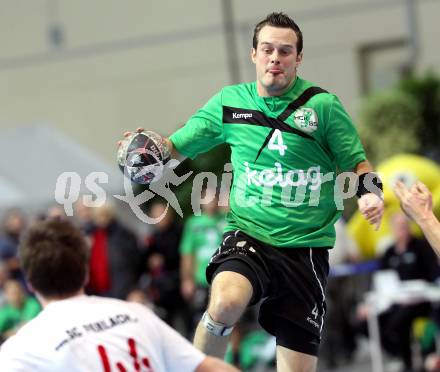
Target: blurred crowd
[164,269]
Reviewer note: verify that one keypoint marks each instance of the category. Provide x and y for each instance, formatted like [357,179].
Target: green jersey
[284,162]
[201,237]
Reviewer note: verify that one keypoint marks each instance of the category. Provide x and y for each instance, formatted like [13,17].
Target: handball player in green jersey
[289,140]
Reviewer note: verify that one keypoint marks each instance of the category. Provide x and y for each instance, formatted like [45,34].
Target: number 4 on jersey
[276,142]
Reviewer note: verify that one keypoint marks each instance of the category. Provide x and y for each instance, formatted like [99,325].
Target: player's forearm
[369,181]
[363,167]
[431,229]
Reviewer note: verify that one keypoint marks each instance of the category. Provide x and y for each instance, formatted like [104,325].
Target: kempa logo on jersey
[277,176]
[306,119]
[241,116]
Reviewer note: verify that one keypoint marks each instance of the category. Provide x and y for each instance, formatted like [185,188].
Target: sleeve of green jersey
[186,243]
[343,138]
[203,131]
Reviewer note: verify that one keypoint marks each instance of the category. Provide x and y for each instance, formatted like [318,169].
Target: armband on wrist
[369,183]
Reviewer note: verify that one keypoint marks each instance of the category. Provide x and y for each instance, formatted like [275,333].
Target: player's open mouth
[275,71]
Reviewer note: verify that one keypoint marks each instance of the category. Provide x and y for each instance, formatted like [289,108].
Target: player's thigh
[231,293]
[294,361]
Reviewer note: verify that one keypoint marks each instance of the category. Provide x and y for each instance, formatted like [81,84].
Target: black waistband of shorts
[279,248]
[304,248]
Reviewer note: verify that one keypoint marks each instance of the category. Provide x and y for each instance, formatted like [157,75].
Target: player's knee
[227,306]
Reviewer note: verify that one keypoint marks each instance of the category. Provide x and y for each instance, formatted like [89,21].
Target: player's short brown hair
[280,20]
[54,257]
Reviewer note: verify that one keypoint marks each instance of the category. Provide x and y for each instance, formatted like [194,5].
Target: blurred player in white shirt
[76,332]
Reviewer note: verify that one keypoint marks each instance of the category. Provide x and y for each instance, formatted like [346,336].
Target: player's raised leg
[230,295]
[294,361]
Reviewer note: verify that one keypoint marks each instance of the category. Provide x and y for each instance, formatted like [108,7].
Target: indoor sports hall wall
[94,68]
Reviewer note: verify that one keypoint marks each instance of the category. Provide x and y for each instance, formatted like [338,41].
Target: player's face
[276,60]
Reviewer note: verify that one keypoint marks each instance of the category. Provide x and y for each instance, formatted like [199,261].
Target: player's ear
[299,58]
[254,55]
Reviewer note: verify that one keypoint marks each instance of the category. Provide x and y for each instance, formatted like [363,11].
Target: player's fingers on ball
[126,134]
[139,130]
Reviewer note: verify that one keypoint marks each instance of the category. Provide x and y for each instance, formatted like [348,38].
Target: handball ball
[141,157]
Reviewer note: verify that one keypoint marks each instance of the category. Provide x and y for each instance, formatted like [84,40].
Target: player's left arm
[349,154]
[369,191]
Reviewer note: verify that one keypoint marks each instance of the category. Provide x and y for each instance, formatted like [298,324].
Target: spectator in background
[115,257]
[163,265]
[416,202]
[56,211]
[412,259]
[13,226]
[19,309]
[139,296]
[201,237]
[83,216]
[4,276]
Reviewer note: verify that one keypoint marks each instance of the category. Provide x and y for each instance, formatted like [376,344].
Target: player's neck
[267,92]
[45,301]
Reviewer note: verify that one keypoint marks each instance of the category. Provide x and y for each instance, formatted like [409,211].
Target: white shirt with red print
[87,333]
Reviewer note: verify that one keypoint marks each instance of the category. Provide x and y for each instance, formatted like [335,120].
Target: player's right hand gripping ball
[141,157]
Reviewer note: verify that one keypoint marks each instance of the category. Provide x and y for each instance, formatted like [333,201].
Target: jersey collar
[277,103]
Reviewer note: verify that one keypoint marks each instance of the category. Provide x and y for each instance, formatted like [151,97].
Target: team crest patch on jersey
[306,119]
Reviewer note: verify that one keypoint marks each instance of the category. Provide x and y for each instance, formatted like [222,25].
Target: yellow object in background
[407,168]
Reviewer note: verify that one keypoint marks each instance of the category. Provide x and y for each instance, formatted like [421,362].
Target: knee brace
[215,328]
